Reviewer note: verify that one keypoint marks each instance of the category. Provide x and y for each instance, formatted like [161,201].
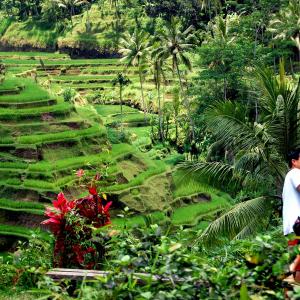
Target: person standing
[291,193]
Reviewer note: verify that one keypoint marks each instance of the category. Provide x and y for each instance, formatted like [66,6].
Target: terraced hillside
[46,139]
[43,139]
[91,78]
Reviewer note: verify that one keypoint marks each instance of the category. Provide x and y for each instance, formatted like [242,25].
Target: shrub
[69,94]
[72,224]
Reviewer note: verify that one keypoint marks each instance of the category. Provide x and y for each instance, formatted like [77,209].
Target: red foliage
[74,246]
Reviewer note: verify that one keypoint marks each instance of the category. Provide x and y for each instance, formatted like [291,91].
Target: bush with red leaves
[72,224]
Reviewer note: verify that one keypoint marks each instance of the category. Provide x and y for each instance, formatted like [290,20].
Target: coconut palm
[210,5]
[174,44]
[158,78]
[121,80]
[220,34]
[259,152]
[286,24]
[135,49]
[70,5]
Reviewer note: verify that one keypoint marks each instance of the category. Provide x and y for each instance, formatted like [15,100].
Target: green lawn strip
[90,86]
[106,85]
[58,63]
[87,77]
[11,114]
[20,187]
[137,220]
[30,55]
[32,92]
[153,169]
[10,82]
[108,110]
[28,104]
[129,117]
[76,162]
[13,166]
[186,215]
[31,124]
[20,231]
[140,132]
[95,130]
[186,185]
[190,214]
[39,184]
[22,206]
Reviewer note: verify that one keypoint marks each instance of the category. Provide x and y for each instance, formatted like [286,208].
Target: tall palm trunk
[121,105]
[185,101]
[161,135]
[157,84]
[142,89]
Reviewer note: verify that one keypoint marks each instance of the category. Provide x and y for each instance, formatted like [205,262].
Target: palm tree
[174,44]
[135,49]
[121,80]
[209,5]
[259,152]
[220,34]
[70,5]
[158,77]
[286,24]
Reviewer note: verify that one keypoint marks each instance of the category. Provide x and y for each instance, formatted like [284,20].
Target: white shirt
[291,200]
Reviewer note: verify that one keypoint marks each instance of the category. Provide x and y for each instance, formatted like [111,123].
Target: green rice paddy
[57,138]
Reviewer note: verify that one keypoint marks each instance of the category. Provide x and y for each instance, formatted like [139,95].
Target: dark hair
[293,155]
[296,227]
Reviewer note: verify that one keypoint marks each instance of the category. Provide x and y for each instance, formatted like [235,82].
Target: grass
[22,206]
[13,114]
[13,165]
[10,83]
[108,110]
[19,231]
[33,55]
[32,92]
[139,132]
[95,130]
[189,215]
[76,162]
[155,168]
[129,117]
[30,32]
[66,63]
[186,185]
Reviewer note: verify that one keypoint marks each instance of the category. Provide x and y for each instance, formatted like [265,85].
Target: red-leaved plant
[72,224]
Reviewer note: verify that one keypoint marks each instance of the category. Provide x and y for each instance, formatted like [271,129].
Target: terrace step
[50,138]
[14,91]
[41,103]
[20,231]
[29,113]
[22,206]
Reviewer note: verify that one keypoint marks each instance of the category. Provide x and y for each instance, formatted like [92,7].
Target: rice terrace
[144,147]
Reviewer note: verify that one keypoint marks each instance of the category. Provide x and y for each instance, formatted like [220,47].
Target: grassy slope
[34,34]
[109,114]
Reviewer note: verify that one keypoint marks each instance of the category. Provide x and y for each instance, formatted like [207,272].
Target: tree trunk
[142,90]
[121,104]
[225,87]
[255,42]
[185,101]
[160,129]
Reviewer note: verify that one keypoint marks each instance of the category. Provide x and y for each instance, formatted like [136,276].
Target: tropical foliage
[256,150]
[72,223]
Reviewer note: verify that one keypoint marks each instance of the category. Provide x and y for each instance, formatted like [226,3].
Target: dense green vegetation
[186,110]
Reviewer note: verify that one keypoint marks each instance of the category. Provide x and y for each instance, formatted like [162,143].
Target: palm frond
[227,120]
[236,222]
